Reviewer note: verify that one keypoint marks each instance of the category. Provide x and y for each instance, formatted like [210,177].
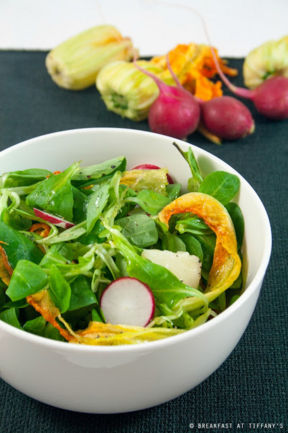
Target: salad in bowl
[108,254]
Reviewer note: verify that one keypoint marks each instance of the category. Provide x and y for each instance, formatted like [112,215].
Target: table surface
[251,386]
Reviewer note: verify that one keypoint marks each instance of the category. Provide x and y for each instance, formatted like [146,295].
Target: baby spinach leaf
[27,279]
[238,221]
[23,177]
[139,229]
[96,204]
[59,289]
[53,256]
[79,205]
[193,246]
[208,245]
[81,294]
[221,185]
[173,190]
[126,207]
[100,170]
[55,194]
[193,225]
[17,246]
[96,316]
[14,220]
[35,326]
[95,236]
[10,316]
[172,242]
[70,250]
[150,201]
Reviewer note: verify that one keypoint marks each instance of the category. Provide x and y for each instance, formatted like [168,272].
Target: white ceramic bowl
[127,378]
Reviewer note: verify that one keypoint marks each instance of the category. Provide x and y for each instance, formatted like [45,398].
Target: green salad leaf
[96,204]
[221,185]
[23,177]
[55,193]
[59,289]
[17,246]
[139,229]
[150,201]
[27,279]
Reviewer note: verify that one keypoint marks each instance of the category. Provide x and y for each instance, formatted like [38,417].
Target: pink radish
[227,118]
[222,117]
[152,167]
[175,112]
[270,98]
[59,222]
[127,301]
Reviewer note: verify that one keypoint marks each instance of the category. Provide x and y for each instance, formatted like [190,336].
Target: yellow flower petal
[226,261]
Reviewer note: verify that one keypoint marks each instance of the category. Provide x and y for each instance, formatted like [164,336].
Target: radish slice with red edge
[152,167]
[128,301]
[57,221]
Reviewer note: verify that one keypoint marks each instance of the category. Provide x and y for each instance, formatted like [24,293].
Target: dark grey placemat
[251,386]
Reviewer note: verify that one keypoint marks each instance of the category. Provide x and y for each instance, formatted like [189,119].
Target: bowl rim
[256,281]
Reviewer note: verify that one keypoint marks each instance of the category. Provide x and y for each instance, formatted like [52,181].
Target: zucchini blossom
[267,60]
[126,90]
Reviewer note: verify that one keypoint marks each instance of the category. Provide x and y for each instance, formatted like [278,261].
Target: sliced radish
[59,222]
[127,301]
[152,167]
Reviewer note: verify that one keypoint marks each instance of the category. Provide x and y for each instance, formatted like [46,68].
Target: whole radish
[227,118]
[175,112]
[270,98]
[222,117]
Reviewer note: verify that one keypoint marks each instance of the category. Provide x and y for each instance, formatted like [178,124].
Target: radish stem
[174,76]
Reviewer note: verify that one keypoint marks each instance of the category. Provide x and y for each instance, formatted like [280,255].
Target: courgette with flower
[75,63]
[130,93]
[126,90]
[267,60]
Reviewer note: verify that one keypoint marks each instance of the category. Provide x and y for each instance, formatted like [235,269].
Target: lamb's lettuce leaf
[27,279]
[55,194]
